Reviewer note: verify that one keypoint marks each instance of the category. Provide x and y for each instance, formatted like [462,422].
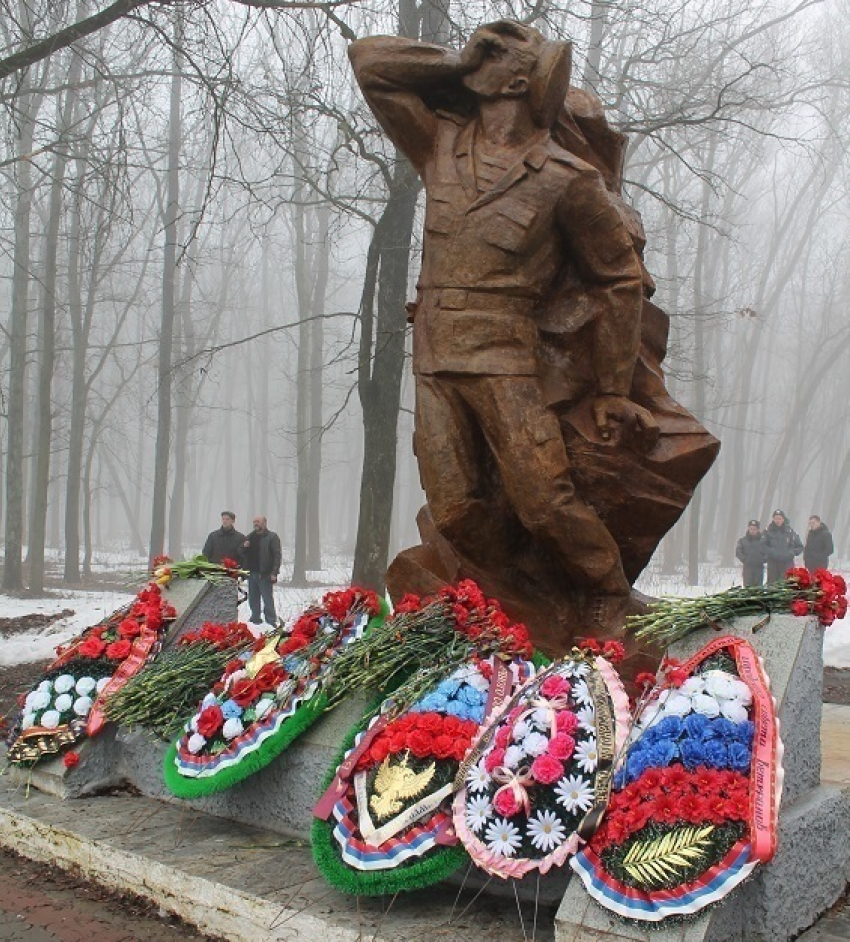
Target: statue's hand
[622,409]
[481,44]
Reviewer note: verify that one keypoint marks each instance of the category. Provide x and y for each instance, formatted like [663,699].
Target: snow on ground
[90,606]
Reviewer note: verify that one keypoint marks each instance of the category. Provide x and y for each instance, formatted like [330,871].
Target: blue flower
[468,694]
[458,708]
[636,764]
[663,753]
[723,728]
[739,756]
[744,732]
[647,738]
[716,753]
[670,728]
[696,725]
[692,753]
[621,778]
[231,710]
[448,688]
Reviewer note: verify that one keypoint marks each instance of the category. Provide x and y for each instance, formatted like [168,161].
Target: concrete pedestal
[812,866]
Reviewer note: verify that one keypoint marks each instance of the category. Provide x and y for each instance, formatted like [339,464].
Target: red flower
[269,677]
[645,679]
[444,746]
[800,607]
[503,737]
[554,686]
[664,808]
[379,750]
[409,603]
[160,561]
[674,672]
[799,575]
[118,650]
[232,666]
[244,692]
[229,563]
[210,721]
[590,645]
[505,803]
[494,759]
[614,651]
[430,722]
[91,647]
[129,628]
[566,721]
[70,759]
[562,746]
[546,769]
[421,743]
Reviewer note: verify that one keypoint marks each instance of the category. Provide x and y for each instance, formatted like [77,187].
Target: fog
[197,257]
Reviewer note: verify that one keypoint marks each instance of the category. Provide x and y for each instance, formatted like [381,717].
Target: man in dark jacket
[226,542]
[782,545]
[262,555]
[819,546]
[752,552]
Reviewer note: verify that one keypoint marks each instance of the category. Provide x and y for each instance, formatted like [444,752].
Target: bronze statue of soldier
[535,349]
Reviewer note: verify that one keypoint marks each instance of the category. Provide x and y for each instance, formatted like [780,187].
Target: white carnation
[209,700]
[521,730]
[85,685]
[535,744]
[50,719]
[513,756]
[83,705]
[741,692]
[40,700]
[27,721]
[263,707]
[692,686]
[719,684]
[196,743]
[64,683]
[734,710]
[678,705]
[707,705]
[102,683]
[232,728]
[46,685]
[63,702]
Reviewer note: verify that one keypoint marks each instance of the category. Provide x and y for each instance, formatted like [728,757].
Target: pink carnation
[503,737]
[566,721]
[554,686]
[562,746]
[494,760]
[547,769]
[505,803]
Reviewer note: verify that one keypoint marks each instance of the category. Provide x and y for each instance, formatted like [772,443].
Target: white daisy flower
[502,837]
[693,685]
[587,718]
[574,793]
[50,719]
[719,684]
[63,702]
[102,683]
[83,705]
[521,730]
[513,756]
[478,812]
[574,669]
[535,744]
[64,683]
[586,755]
[734,710]
[85,685]
[478,778]
[707,705]
[196,743]
[581,693]
[546,831]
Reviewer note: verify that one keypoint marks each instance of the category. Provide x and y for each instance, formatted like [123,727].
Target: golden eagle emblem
[395,783]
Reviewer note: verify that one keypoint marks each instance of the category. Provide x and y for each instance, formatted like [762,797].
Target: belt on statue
[465,299]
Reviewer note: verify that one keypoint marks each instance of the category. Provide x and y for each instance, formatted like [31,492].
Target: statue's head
[519,62]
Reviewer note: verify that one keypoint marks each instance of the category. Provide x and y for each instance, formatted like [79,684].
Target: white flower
[46,685]
[706,704]
[50,719]
[263,707]
[692,685]
[679,705]
[40,700]
[193,723]
[586,755]
[587,718]
[513,756]
[581,693]
[502,837]
[63,702]
[85,685]
[546,831]
[102,683]
[541,718]
[196,743]
[740,691]
[83,705]
[521,730]
[473,677]
[719,684]
[209,700]
[574,669]
[27,721]
[535,744]
[232,728]
[64,683]
[478,811]
[478,778]
[574,793]
[734,710]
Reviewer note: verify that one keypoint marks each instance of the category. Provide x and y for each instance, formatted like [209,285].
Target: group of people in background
[259,552]
[775,548]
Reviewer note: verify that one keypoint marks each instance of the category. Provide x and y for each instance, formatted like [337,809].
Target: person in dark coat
[262,557]
[819,545]
[751,550]
[226,542]
[782,545]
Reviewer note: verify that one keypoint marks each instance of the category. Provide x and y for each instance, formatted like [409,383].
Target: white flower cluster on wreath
[713,693]
[60,700]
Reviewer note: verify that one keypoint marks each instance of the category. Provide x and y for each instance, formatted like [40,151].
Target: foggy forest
[206,245]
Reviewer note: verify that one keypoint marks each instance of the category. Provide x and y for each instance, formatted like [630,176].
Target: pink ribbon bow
[516,782]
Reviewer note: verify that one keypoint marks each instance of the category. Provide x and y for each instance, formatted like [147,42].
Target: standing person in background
[226,542]
[261,557]
[752,552]
[782,545]
[819,545]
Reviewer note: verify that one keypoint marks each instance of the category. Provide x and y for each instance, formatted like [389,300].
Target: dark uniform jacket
[752,552]
[490,256]
[783,544]
[264,553]
[224,543]
[819,547]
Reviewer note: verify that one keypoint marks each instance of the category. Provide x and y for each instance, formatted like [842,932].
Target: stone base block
[810,871]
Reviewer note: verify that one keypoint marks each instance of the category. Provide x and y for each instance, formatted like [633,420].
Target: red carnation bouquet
[824,595]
